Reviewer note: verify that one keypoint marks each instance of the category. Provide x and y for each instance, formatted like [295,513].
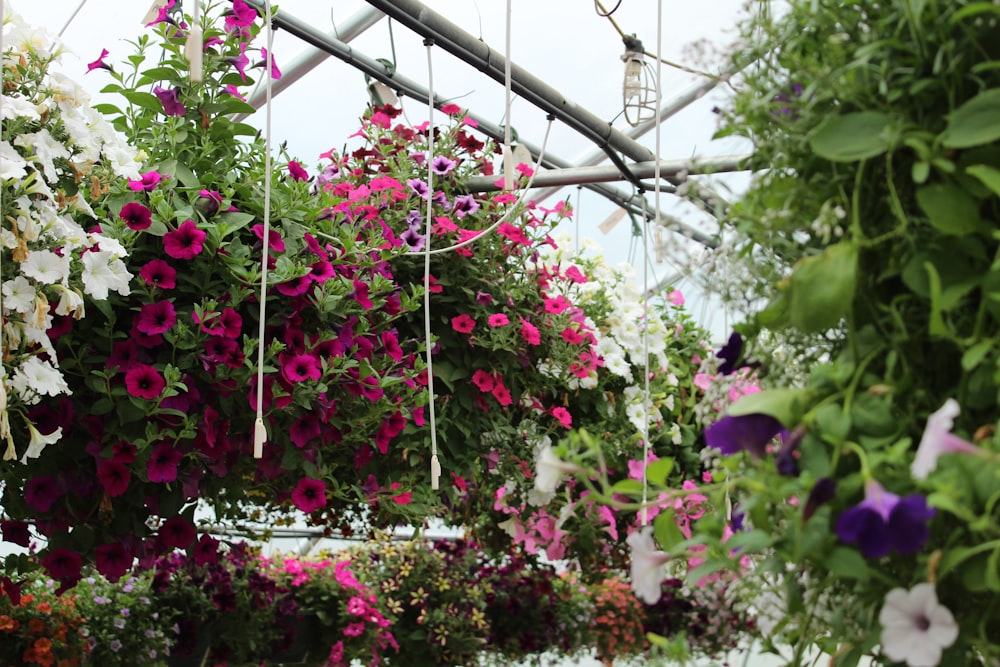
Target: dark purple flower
[64,565]
[309,495]
[177,533]
[144,381]
[184,243]
[750,433]
[784,459]
[16,532]
[465,205]
[822,492]
[170,99]
[113,476]
[42,492]
[113,561]
[884,522]
[730,354]
[136,216]
[162,464]
[156,318]
[158,273]
[206,551]
[99,63]
[301,367]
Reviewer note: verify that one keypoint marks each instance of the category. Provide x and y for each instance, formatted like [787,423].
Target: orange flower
[8,624]
[36,626]
[45,607]
[43,645]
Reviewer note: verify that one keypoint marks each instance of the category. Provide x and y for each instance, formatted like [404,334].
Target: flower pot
[305,634]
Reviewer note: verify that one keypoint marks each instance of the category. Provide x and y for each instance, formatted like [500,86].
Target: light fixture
[639,86]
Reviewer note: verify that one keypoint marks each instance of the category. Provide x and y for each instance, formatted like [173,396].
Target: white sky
[562,42]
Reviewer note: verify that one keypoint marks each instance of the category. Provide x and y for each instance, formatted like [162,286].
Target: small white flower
[915,628]
[646,565]
[70,302]
[549,470]
[12,165]
[45,150]
[102,272]
[46,267]
[938,440]
[14,107]
[34,378]
[39,442]
[19,295]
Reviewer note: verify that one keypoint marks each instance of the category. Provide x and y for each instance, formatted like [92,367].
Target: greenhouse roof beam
[404,86]
[480,55]
[305,62]
[604,174]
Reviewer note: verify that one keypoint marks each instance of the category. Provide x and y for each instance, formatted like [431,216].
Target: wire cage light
[639,86]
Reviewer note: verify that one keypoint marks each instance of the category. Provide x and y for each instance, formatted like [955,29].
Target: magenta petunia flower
[16,532]
[147,182]
[483,380]
[144,381]
[571,336]
[158,273]
[206,551]
[301,367]
[274,241]
[163,15]
[209,202]
[162,464]
[240,63]
[498,320]
[239,18]
[113,561]
[184,243]
[556,304]
[296,171]
[170,98]
[136,216]
[361,294]
[42,492]
[177,533]
[275,72]
[219,350]
[463,323]
[99,63]
[304,430]
[295,286]
[390,345]
[309,495]
[230,89]
[529,333]
[114,477]
[156,318]
[563,416]
[321,271]
[502,394]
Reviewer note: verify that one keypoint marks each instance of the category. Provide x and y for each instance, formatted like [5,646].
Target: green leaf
[821,289]
[950,209]
[750,542]
[833,423]
[144,100]
[785,405]
[668,534]
[935,325]
[975,354]
[848,563]
[852,137]
[629,487]
[990,176]
[974,9]
[974,123]
[657,471]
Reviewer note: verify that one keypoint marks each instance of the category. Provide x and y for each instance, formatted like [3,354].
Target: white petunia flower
[46,267]
[45,149]
[97,275]
[549,470]
[39,442]
[70,302]
[915,628]
[19,295]
[34,378]
[108,244]
[647,565]
[18,107]
[938,439]
[12,165]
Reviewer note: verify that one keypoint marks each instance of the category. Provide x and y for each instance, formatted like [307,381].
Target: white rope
[576,220]
[10,453]
[194,46]
[506,216]
[72,16]
[259,430]
[645,267]
[508,154]
[435,462]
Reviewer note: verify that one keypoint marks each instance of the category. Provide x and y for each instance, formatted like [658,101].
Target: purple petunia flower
[170,99]
[144,381]
[136,216]
[465,205]
[156,318]
[884,522]
[42,492]
[162,464]
[184,243]
[730,354]
[442,165]
[413,238]
[750,433]
[418,186]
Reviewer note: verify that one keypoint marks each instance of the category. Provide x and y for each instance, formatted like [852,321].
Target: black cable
[605,13]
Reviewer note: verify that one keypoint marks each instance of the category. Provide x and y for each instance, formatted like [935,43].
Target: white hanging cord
[506,216]
[508,154]
[435,462]
[259,430]
[10,452]
[576,220]
[72,17]
[645,268]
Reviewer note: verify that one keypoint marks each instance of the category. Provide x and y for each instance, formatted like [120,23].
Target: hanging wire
[508,155]
[194,46]
[72,17]
[435,462]
[576,218]
[10,452]
[259,430]
[603,13]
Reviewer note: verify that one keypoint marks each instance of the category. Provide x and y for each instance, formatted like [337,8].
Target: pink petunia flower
[463,323]
[483,380]
[296,171]
[498,320]
[146,183]
[136,216]
[309,495]
[185,242]
[555,305]
[563,416]
[156,318]
[158,273]
[529,333]
[301,367]
[502,394]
